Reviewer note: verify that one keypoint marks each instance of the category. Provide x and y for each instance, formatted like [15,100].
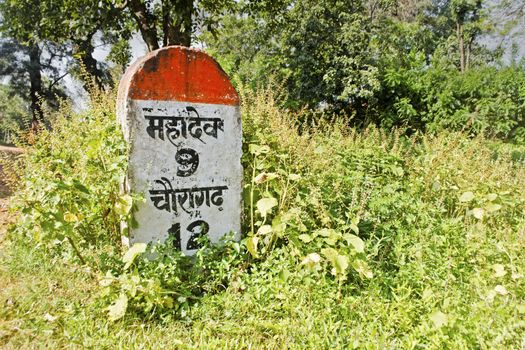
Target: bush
[15,115]
[70,184]
[486,100]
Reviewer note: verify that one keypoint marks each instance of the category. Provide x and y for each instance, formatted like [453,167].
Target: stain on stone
[152,65]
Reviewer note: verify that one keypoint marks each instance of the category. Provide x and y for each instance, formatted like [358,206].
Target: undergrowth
[352,239]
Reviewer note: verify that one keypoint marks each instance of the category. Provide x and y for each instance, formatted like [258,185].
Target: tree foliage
[387,62]
[377,61]
[14,114]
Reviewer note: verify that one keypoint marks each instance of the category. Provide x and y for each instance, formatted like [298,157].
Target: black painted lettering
[188,160]
[174,232]
[198,229]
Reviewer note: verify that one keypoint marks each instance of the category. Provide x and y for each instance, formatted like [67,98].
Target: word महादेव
[176,126]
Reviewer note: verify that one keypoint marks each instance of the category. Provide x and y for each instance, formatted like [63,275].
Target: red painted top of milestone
[177,73]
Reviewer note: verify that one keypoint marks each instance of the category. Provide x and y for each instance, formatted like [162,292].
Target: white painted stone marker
[180,114]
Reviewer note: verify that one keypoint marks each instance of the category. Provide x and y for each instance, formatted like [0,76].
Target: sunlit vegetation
[360,239]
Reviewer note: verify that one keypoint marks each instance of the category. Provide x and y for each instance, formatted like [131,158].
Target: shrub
[70,184]
[486,100]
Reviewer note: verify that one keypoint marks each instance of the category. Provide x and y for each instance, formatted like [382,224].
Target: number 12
[197,229]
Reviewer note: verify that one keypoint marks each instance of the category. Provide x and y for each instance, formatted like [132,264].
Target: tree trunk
[83,49]
[177,22]
[467,57]
[35,89]
[461,44]
[146,22]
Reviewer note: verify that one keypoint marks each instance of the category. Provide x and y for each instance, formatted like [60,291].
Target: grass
[48,304]
[442,218]
[34,288]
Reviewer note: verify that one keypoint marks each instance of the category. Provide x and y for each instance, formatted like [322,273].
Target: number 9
[188,160]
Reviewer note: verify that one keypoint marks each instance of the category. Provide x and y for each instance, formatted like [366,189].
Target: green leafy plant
[160,282]
[378,237]
[70,185]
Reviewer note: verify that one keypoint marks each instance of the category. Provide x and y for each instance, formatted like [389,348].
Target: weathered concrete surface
[180,114]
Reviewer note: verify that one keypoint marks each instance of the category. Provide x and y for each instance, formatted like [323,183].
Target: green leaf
[501,290]
[331,254]
[81,187]
[398,171]
[257,149]
[492,197]
[251,245]
[466,197]
[362,268]
[132,253]
[265,205]
[117,310]
[338,261]
[356,242]
[305,238]
[325,232]
[236,247]
[499,270]
[107,280]
[331,241]
[492,207]
[263,177]
[439,319]
[478,213]
[169,302]
[123,204]
[264,230]
[341,264]
[278,225]
[311,260]
[354,228]
[93,147]
[70,217]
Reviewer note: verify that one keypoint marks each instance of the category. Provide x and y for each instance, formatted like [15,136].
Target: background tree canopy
[417,64]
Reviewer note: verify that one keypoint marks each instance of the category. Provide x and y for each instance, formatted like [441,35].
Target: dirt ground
[5,191]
